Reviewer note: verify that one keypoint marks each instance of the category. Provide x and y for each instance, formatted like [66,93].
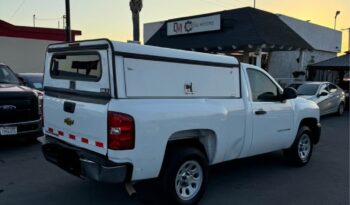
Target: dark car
[32,80]
[20,113]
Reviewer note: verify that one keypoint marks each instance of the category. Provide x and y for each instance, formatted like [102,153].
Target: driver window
[332,88]
[262,88]
[323,89]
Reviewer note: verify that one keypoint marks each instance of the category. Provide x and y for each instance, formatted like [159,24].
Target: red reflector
[121,131]
[50,130]
[84,140]
[72,136]
[60,133]
[99,144]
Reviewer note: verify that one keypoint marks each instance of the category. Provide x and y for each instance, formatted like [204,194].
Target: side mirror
[288,93]
[322,94]
[22,81]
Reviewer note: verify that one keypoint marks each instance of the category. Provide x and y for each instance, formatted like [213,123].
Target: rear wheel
[300,152]
[341,108]
[185,176]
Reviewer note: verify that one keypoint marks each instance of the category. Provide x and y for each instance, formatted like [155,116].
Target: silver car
[329,97]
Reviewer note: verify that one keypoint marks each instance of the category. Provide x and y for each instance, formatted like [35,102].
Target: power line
[48,19]
[15,12]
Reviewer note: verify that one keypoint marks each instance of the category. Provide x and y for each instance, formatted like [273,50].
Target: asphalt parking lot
[26,178]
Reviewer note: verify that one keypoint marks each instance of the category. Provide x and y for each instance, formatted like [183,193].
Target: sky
[112,18]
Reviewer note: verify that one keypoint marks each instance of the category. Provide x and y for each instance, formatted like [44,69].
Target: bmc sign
[195,25]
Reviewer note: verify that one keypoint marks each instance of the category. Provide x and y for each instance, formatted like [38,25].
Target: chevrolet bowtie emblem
[69,121]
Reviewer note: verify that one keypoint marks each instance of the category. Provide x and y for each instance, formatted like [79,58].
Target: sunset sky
[112,18]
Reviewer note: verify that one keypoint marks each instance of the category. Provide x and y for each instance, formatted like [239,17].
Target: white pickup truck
[122,112]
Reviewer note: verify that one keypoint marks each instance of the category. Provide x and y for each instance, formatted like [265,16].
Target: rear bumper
[84,163]
[25,129]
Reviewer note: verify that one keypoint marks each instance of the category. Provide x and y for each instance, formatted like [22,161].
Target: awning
[337,63]
[241,29]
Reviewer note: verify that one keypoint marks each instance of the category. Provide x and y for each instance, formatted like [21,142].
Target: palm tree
[136,7]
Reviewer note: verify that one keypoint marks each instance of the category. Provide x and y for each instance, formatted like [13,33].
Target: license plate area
[8,130]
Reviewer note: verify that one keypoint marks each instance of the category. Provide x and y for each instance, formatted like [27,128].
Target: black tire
[299,154]
[341,109]
[178,158]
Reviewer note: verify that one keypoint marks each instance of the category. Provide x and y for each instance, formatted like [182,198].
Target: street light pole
[254,4]
[68,29]
[335,19]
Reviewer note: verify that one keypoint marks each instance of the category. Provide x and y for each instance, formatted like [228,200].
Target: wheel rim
[304,147]
[188,180]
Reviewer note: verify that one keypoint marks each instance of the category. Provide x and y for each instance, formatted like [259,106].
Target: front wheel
[300,152]
[341,107]
[185,176]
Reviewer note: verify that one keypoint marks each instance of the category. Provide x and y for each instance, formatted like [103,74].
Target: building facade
[23,48]
[282,45]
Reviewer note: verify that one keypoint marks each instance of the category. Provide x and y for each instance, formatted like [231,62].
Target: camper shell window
[76,66]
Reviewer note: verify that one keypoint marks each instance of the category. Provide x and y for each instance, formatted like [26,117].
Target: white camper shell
[151,72]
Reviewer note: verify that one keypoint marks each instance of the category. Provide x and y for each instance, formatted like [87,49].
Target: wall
[23,55]
[283,63]
[149,29]
[319,37]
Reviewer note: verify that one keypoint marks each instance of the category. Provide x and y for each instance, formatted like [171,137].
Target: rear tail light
[121,131]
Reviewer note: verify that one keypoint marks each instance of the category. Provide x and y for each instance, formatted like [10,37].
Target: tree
[136,7]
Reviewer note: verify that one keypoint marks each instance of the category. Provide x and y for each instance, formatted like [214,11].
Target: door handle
[69,107]
[260,112]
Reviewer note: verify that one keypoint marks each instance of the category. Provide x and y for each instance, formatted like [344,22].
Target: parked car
[122,112]
[19,107]
[32,80]
[328,96]
[296,85]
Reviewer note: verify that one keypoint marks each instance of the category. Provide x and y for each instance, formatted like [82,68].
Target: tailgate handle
[69,107]
[260,112]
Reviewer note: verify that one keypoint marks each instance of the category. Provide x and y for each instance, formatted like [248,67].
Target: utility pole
[64,21]
[68,29]
[136,7]
[254,4]
[33,20]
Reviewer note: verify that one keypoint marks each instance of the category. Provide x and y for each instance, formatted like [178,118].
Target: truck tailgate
[77,84]
[86,127]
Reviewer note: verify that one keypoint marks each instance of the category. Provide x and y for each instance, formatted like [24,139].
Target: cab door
[272,119]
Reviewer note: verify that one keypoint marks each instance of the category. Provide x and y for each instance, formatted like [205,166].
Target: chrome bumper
[93,170]
[27,127]
[84,163]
